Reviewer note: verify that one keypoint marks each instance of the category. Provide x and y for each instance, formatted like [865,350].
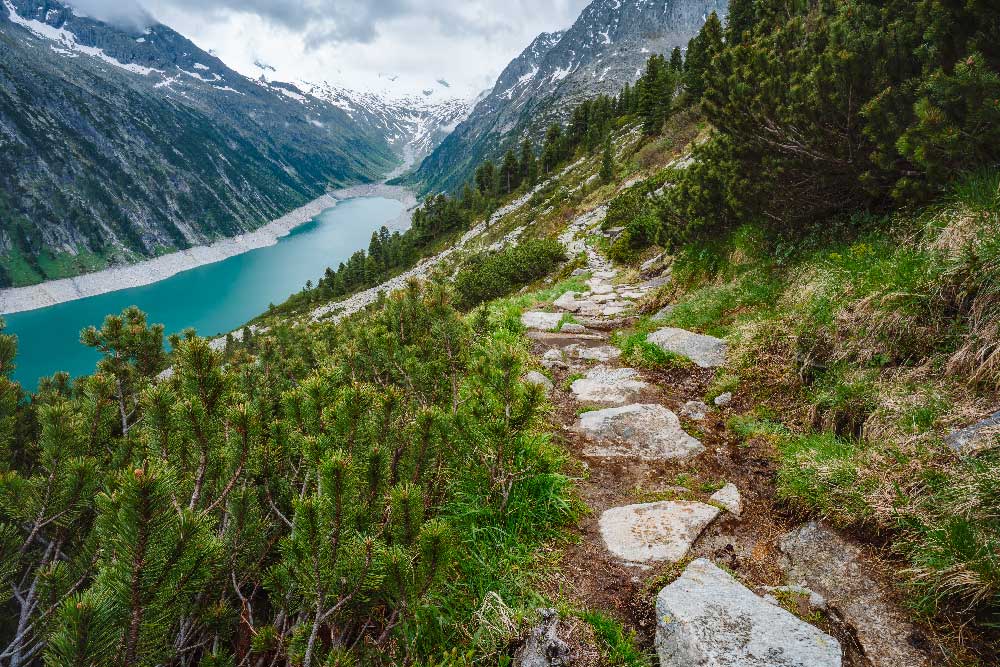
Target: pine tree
[608,161]
[677,61]
[701,50]
[528,164]
[552,151]
[740,21]
[509,173]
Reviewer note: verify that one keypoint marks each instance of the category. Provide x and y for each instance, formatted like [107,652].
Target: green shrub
[486,277]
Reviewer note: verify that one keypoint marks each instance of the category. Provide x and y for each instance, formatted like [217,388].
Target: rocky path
[683,542]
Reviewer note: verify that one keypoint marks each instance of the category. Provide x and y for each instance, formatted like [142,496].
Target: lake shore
[32,297]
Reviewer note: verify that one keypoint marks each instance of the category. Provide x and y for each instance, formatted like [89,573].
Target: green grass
[617,646]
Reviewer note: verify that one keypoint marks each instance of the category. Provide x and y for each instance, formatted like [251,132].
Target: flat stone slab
[567,302]
[601,353]
[600,288]
[649,432]
[839,570]
[655,532]
[707,618]
[541,321]
[573,328]
[615,386]
[706,351]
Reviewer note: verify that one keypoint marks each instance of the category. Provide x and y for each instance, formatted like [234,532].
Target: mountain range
[119,143]
[606,47]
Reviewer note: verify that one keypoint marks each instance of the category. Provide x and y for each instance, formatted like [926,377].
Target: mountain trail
[672,493]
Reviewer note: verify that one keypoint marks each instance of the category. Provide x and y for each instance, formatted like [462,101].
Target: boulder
[706,351]
[615,386]
[708,618]
[567,302]
[539,380]
[695,410]
[728,497]
[541,321]
[655,532]
[543,647]
[818,558]
[648,432]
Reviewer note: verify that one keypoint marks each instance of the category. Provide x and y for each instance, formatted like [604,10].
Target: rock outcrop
[706,351]
[655,532]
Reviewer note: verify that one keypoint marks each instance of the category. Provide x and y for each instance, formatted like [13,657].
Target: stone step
[608,386]
[655,532]
[601,353]
[539,321]
[649,432]
[705,351]
[706,617]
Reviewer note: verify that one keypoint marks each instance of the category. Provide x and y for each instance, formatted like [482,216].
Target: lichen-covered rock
[839,570]
[695,410]
[603,385]
[655,532]
[707,618]
[982,435]
[706,351]
[567,302]
[541,321]
[601,353]
[722,400]
[573,328]
[649,432]
[554,359]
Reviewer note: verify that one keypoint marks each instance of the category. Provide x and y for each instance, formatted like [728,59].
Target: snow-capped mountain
[119,143]
[606,47]
[412,125]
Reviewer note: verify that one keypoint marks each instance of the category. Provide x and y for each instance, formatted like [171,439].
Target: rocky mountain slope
[122,143]
[606,47]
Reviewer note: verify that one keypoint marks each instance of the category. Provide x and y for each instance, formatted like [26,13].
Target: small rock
[615,386]
[723,400]
[706,617]
[650,263]
[662,314]
[649,432]
[541,321]
[695,410]
[543,647]
[579,272]
[539,380]
[729,498]
[655,532]
[573,328]
[706,351]
[567,302]
[553,359]
[982,435]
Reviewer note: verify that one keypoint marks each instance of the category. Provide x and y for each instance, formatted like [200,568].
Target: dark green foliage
[331,494]
[705,46]
[608,161]
[826,107]
[491,276]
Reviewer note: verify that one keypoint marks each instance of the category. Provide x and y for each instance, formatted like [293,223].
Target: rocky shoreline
[32,297]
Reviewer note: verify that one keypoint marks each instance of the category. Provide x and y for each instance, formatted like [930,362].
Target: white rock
[695,410]
[708,618]
[541,321]
[573,328]
[655,532]
[706,351]
[723,400]
[567,302]
[536,378]
[648,432]
[612,310]
[729,498]
[602,353]
[598,287]
[615,386]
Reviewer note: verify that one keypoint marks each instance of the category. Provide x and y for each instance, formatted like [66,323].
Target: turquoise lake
[215,298]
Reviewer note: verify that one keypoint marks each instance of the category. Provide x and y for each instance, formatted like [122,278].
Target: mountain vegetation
[817,183]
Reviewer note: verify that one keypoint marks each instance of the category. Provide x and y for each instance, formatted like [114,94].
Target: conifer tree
[528,164]
[608,161]
[552,151]
[509,173]
[739,21]
[677,61]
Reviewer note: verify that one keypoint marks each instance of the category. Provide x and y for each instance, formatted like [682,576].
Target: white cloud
[353,42]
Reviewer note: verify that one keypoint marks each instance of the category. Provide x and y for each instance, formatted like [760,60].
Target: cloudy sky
[359,43]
